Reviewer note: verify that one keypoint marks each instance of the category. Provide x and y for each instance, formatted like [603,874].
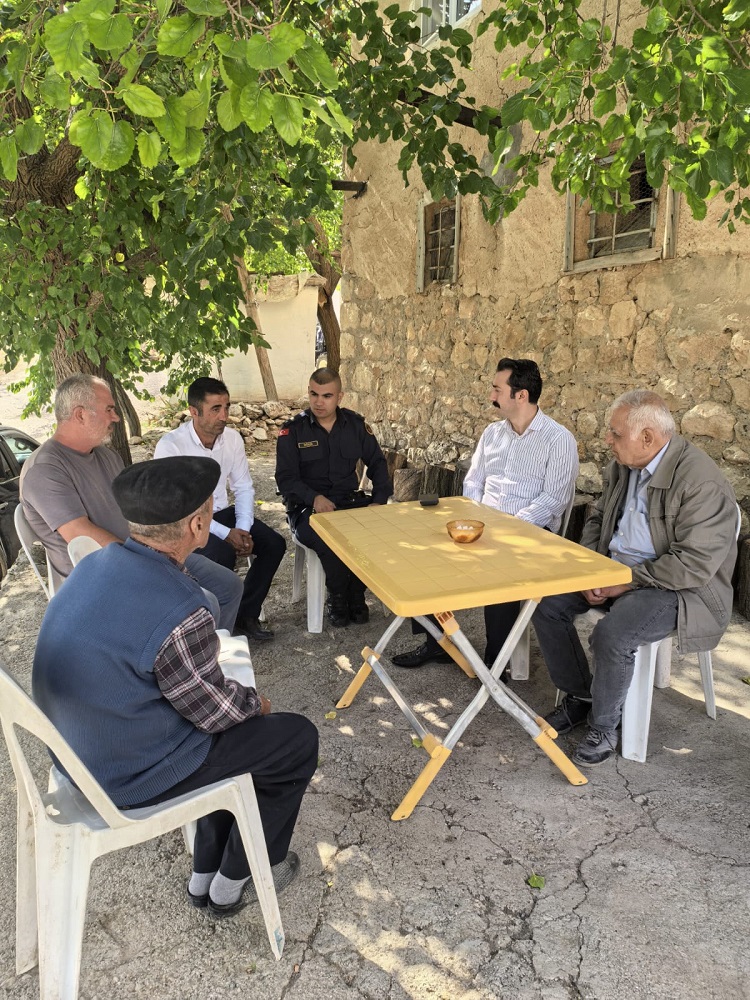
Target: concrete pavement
[646,869]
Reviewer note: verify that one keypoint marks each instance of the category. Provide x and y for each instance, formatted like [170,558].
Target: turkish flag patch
[283,432]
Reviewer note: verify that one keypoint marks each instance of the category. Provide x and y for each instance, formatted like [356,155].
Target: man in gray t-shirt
[66,489]
[60,485]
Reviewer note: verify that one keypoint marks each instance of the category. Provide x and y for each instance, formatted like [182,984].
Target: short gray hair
[645,409]
[77,390]
[167,533]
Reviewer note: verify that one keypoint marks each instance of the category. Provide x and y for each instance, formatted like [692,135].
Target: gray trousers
[634,618]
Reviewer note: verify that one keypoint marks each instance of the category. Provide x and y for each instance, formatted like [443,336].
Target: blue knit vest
[93,671]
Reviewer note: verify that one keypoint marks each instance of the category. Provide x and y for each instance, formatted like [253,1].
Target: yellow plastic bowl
[464,531]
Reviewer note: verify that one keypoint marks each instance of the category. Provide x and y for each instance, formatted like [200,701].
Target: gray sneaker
[571,712]
[598,746]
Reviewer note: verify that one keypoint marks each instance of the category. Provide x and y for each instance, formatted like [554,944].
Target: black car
[15,448]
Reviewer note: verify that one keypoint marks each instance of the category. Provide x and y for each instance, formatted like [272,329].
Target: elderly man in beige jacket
[669,513]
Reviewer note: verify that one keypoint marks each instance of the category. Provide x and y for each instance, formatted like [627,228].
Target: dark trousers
[499,619]
[268,549]
[636,617]
[280,751]
[339,578]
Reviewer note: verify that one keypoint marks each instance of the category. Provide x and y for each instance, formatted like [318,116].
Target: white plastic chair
[80,546]
[28,538]
[316,584]
[60,833]
[519,658]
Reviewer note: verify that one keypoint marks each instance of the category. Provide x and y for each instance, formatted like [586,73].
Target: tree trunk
[327,266]
[329,324]
[127,410]
[65,365]
[251,308]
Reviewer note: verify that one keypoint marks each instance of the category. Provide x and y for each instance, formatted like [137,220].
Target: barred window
[438,243]
[608,239]
[610,233]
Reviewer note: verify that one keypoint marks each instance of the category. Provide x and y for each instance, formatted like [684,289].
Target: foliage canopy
[147,146]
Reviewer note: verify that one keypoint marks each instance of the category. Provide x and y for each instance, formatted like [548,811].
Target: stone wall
[420,366]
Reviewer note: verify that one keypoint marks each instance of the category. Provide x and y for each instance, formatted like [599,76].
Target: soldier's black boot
[337,607]
[358,610]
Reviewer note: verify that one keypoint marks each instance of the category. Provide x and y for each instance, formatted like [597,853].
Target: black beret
[165,490]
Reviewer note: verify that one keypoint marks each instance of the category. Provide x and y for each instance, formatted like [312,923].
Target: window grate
[614,232]
[440,242]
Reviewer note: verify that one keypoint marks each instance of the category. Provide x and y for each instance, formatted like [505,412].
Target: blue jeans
[636,617]
[221,583]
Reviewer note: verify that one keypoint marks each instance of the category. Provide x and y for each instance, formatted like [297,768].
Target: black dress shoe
[358,610]
[253,629]
[428,652]
[337,609]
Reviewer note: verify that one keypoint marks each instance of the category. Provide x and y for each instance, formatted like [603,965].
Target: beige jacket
[693,520]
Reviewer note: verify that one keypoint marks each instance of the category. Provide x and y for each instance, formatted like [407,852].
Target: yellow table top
[404,554]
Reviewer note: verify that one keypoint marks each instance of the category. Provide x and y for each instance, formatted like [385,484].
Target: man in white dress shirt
[524,465]
[235,531]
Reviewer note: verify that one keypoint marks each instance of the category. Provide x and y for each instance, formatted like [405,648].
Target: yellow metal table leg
[558,758]
[362,674]
[438,756]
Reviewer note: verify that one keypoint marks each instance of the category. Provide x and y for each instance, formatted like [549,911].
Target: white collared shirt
[229,452]
[531,475]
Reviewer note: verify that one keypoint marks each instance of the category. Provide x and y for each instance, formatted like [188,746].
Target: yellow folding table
[404,554]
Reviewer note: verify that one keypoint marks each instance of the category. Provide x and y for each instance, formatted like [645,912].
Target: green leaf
[188,152]
[30,136]
[65,38]
[605,102]
[345,124]
[163,7]
[745,680]
[85,9]
[513,110]
[228,110]
[721,165]
[255,107]
[272,51]
[581,50]
[316,65]
[106,143]
[9,157]
[416,742]
[195,106]
[287,117]
[178,35]
[536,881]
[205,8]
[111,34]
[657,21]
[143,100]
[149,148]
[172,126]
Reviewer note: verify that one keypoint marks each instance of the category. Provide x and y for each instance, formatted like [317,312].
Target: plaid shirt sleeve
[189,676]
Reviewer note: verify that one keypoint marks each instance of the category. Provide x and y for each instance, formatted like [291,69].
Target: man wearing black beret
[136,689]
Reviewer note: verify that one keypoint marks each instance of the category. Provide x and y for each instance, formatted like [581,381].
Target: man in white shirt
[235,531]
[524,465]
